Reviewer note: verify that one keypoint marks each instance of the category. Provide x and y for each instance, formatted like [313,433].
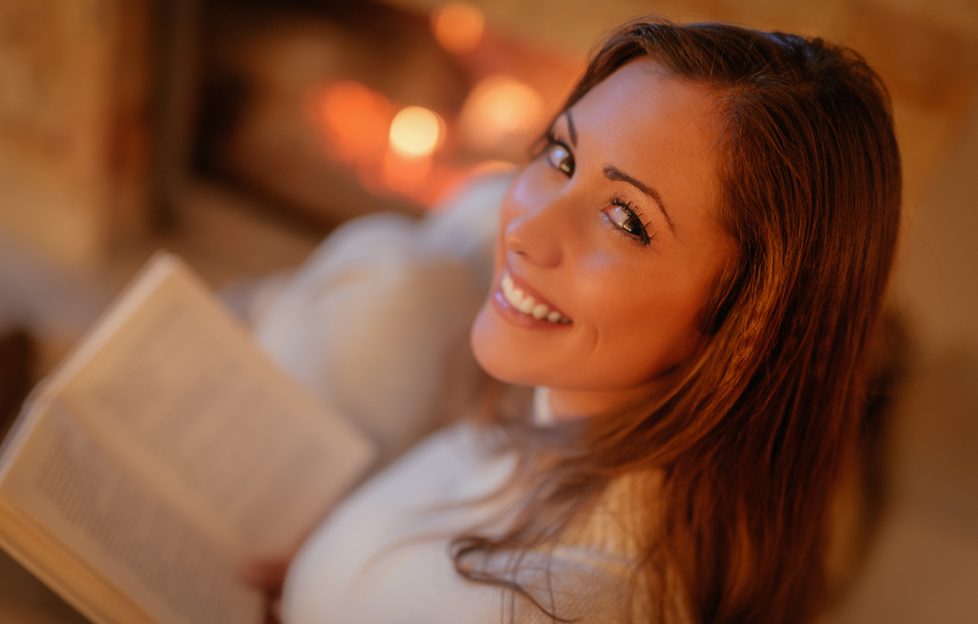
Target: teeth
[526,304]
[507,282]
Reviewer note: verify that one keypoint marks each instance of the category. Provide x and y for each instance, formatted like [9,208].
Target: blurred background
[239,133]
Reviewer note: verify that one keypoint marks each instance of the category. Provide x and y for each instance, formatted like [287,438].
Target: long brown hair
[751,441]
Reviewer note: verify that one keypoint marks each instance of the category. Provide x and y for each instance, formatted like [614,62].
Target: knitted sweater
[383,555]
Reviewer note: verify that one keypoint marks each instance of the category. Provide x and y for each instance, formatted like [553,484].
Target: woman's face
[609,246]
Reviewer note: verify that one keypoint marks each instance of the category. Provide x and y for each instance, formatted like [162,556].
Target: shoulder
[596,570]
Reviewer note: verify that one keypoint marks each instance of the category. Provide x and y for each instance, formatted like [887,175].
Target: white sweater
[382,555]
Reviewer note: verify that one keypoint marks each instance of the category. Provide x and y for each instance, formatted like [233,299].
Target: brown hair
[751,441]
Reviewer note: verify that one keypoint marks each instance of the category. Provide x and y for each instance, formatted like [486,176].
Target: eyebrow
[615,174]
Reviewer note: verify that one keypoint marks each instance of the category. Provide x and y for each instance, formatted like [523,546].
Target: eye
[560,157]
[621,214]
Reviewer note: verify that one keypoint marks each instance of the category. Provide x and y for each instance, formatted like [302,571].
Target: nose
[533,233]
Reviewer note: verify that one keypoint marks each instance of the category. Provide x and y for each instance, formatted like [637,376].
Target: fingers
[273,613]
[265,575]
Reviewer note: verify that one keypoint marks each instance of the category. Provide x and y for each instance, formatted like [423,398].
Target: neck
[569,404]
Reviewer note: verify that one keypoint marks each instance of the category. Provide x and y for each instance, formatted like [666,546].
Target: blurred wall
[72,123]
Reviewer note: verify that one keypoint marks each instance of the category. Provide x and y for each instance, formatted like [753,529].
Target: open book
[164,455]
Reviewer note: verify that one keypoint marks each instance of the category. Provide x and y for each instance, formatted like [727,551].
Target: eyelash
[551,142]
[641,236]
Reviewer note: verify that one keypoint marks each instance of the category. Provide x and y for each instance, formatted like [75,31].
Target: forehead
[658,127]
[648,104]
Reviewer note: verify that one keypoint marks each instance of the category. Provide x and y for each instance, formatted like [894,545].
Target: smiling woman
[689,272]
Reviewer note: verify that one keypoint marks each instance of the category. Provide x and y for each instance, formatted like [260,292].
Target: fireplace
[320,111]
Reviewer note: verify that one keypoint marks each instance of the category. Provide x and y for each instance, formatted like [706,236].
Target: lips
[530,305]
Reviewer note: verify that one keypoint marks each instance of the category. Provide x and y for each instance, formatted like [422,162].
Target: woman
[689,271]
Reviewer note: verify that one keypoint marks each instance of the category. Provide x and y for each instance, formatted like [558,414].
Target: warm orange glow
[353,120]
[391,155]
[416,131]
[458,26]
[498,110]
[492,167]
[404,175]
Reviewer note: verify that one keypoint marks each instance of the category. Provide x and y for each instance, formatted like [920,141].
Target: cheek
[641,335]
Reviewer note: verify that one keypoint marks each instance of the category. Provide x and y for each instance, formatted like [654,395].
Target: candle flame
[416,131]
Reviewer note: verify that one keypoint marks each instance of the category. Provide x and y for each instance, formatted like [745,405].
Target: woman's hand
[267,576]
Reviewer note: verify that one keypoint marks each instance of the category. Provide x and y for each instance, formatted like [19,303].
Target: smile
[526,304]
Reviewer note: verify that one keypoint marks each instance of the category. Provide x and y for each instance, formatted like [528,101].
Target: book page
[73,490]
[78,584]
[168,449]
[180,389]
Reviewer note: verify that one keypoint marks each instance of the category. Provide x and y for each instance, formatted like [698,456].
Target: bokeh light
[353,120]
[458,26]
[499,110]
[416,131]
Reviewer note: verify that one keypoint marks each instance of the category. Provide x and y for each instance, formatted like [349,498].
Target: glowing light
[404,175]
[498,110]
[416,131]
[353,120]
[458,26]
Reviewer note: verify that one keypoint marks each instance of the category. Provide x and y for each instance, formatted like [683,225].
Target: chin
[498,360]
[485,352]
